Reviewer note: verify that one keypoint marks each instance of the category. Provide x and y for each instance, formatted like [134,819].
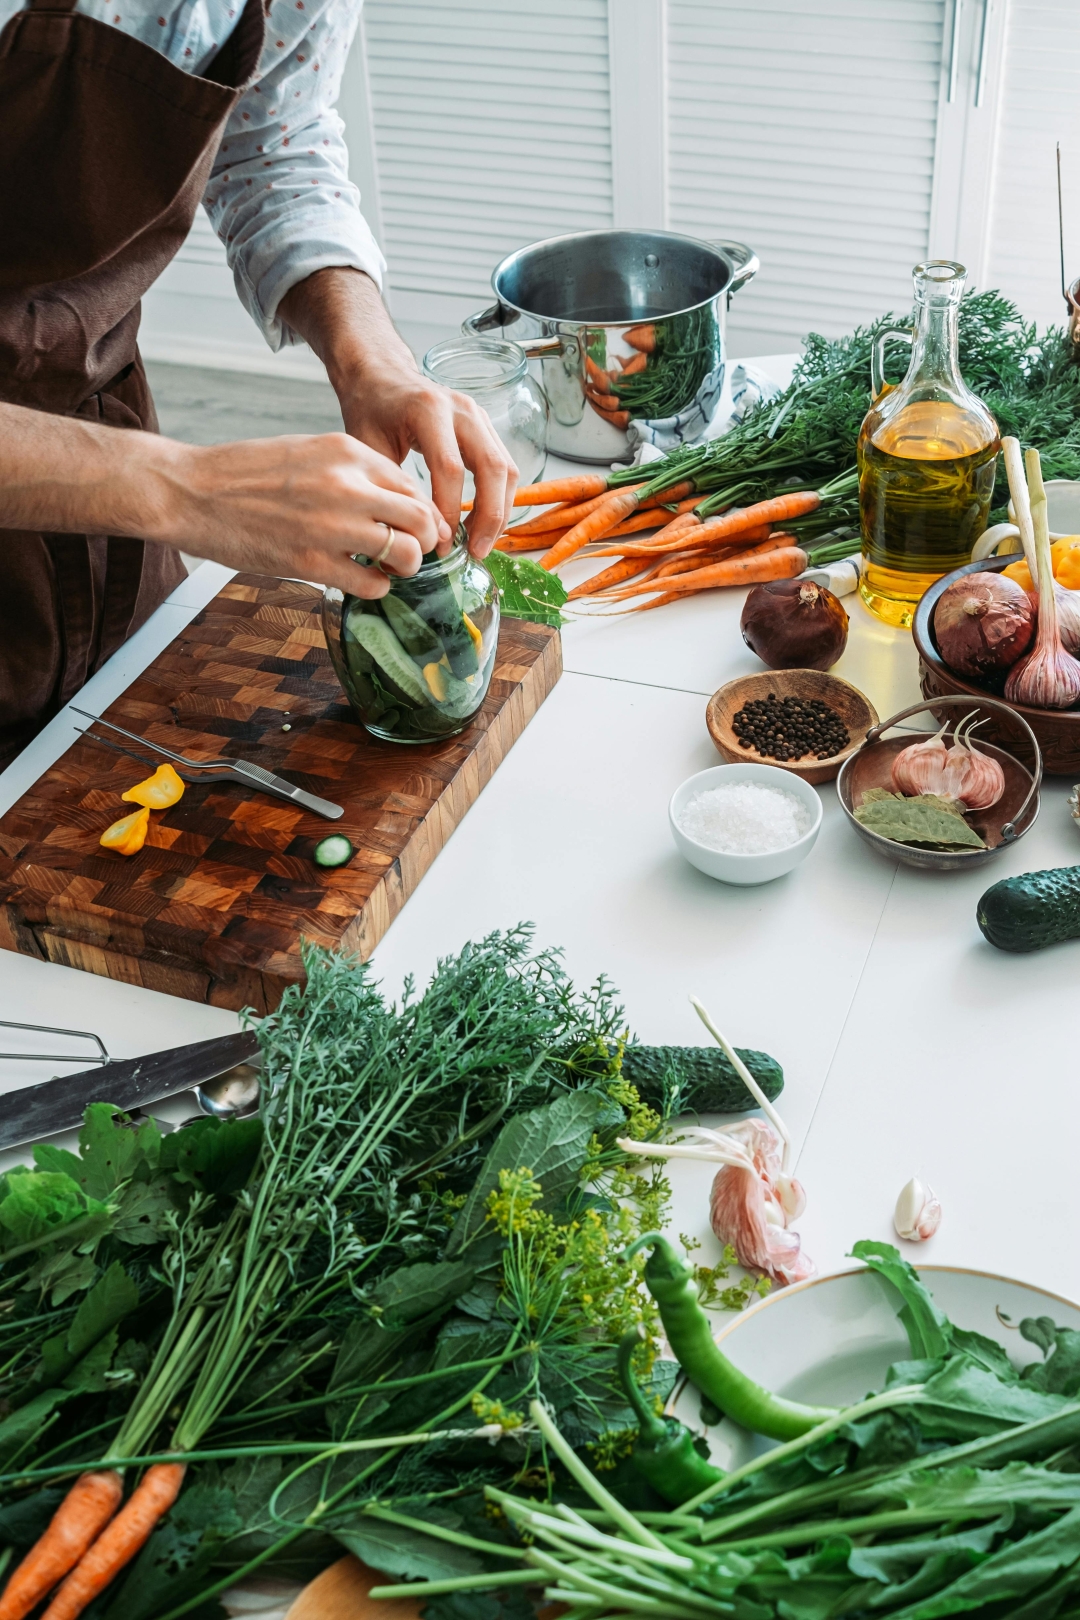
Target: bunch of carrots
[701,542]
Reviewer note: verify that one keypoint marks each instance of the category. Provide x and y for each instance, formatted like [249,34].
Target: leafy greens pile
[956,1490]
[445,1243]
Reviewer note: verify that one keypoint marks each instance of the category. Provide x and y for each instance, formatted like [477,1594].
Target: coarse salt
[744,818]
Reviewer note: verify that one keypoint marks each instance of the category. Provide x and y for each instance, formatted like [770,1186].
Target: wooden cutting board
[214,906]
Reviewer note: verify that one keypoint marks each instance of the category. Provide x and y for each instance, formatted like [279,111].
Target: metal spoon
[232,1095]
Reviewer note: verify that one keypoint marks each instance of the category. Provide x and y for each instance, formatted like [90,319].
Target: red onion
[983,623]
[795,624]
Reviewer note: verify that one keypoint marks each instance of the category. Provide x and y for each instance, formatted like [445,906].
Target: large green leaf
[1015,1570]
[37,1206]
[527,591]
[21,1427]
[414,1292]
[112,1297]
[552,1142]
[110,1152]
[397,1549]
[928,1328]
[215,1155]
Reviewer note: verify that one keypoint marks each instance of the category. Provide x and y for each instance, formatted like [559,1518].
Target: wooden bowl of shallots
[1057,730]
[855,711]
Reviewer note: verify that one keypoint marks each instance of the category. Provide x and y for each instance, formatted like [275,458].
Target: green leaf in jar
[527,591]
[924,819]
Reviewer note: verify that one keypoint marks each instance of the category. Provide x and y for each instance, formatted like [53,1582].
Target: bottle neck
[934,356]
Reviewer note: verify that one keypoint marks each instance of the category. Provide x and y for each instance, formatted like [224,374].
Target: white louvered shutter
[806,128]
[492,129]
[1040,106]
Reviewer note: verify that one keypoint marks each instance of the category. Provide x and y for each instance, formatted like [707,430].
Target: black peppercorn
[790,728]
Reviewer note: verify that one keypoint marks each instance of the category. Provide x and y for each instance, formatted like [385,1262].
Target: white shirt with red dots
[279,194]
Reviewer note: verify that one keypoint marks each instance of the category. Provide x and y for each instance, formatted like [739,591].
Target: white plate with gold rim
[830,1340]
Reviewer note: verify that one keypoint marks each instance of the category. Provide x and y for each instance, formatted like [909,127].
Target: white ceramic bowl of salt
[745,836]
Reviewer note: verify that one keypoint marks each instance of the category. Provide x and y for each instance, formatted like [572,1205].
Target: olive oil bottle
[927,457]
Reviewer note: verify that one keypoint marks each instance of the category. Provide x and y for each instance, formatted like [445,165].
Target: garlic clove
[921,767]
[917,1215]
[792,1197]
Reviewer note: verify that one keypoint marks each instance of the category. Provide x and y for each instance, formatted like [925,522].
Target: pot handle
[745,264]
[988,542]
[499,316]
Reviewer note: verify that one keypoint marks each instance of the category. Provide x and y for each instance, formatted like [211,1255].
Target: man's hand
[389,405]
[293,507]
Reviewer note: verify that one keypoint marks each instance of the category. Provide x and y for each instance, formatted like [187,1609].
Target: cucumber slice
[415,634]
[333,851]
[376,637]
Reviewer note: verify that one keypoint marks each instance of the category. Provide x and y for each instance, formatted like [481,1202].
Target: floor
[202,406]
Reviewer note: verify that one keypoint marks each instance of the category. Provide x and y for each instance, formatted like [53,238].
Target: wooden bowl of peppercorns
[797,719]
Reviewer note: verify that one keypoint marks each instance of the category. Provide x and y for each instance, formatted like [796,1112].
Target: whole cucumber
[1035,909]
[698,1079]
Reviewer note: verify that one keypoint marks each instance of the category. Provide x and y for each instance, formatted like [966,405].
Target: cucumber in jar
[437,603]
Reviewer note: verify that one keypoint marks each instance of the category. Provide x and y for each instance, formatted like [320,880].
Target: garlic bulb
[959,772]
[918,1214]
[1068,615]
[1048,677]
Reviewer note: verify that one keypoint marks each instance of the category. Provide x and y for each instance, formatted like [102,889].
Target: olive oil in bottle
[927,458]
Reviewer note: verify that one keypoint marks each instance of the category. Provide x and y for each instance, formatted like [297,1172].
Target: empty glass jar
[495,373]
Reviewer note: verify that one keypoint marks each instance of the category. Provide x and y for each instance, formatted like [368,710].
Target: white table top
[910,1046]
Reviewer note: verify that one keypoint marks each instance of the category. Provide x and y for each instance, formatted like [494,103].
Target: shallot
[753,1198]
[1048,677]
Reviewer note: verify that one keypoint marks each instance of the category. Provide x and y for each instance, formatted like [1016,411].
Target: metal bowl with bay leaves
[870,769]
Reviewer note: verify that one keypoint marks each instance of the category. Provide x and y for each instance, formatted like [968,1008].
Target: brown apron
[107,149]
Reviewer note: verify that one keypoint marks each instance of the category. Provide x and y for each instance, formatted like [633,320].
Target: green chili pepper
[665,1453]
[671,1283]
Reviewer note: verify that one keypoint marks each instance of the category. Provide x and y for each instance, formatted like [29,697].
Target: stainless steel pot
[623,323]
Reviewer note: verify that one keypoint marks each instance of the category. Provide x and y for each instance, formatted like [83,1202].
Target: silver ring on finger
[385,552]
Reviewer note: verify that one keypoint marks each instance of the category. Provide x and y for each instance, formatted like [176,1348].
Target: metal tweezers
[211,770]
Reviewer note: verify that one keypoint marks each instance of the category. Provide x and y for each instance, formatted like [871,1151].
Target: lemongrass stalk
[453,1583]
[588,1480]
[748,1081]
[457,1538]
[1018,489]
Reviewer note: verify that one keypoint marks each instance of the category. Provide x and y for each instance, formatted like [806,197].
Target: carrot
[599,522]
[579,488]
[512,541]
[642,338]
[120,1541]
[596,375]
[617,574]
[748,569]
[642,519]
[632,367]
[695,559]
[619,419]
[560,517]
[87,1507]
[606,404]
[656,546]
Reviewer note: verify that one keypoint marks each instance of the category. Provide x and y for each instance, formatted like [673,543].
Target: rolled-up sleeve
[279,196]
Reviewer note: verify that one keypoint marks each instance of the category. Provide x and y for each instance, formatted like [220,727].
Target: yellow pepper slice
[477,638]
[128,835]
[435,677]
[159,791]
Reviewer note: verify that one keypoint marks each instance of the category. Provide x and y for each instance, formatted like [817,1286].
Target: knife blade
[58,1104]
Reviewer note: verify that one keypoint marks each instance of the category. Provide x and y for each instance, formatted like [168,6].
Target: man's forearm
[340,314]
[60,475]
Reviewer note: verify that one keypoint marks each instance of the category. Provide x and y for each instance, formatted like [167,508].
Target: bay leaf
[924,819]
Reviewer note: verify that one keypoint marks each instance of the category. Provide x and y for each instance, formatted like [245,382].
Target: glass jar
[495,373]
[416,663]
[927,457]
